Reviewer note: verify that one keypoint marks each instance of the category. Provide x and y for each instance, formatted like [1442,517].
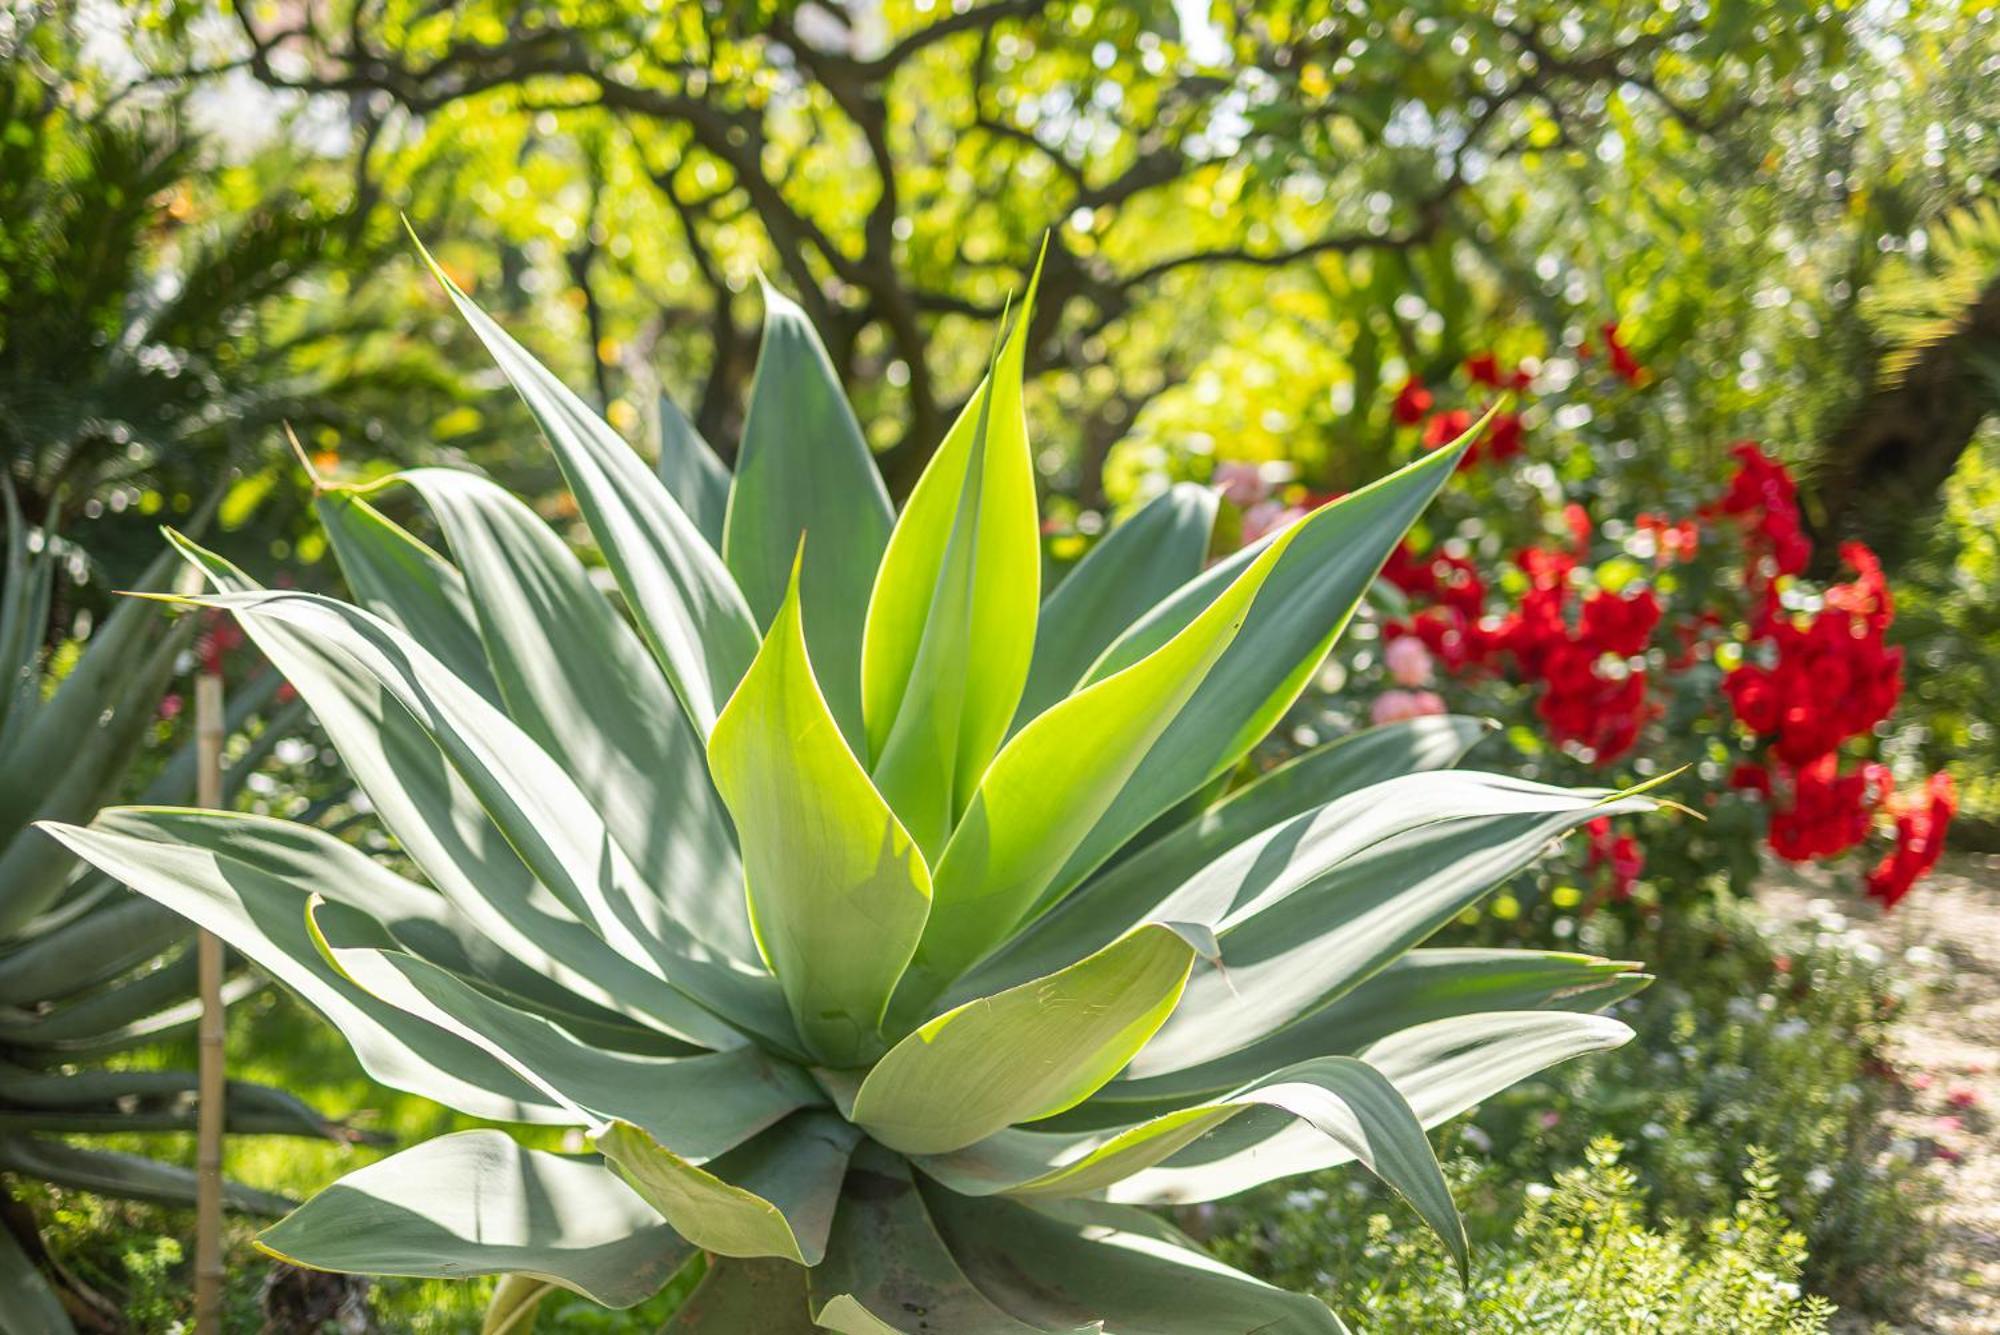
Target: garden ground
[1949,1050]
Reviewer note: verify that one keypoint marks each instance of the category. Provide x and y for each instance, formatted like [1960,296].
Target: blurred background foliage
[1260,220]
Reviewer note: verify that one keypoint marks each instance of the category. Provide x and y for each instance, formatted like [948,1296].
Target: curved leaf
[1052,781]
[1330,558]
[263,916]
[687,607]
[407,584]
[773,1196]
[1063,1264]
[1419,987]
[578,680]
[1342,1098]
[1136,566]
[1347,891]
[887,1270]
[838,892]
[546,818]
[1441,1068]
[703,1106]
[1029,1052]
[439,821]
[950,621]
[804,469]
[1131,889]
[694,476]
[475,1203]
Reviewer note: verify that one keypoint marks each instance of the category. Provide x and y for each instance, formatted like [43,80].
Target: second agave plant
[894,933]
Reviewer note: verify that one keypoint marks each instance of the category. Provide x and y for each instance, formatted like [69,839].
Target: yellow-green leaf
[838,892]
[950,630]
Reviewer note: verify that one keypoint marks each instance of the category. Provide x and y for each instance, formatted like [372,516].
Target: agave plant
[88,970]
[893,934]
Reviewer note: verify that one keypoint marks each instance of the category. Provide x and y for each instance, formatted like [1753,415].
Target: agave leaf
[686,605]
[1328,560]
[838,891]
[441,823]
[47,743]
[694,476]
[950,622]
[108,700]
[1348,904]
[515,1302]
[1441,1068]
[1052,781]
[407,584]
[773,1196]
[804,469]
[1421,986]
[578,680]
[251,1106]
[703,1106]
[111,1019]
[263,916]
[125,1177]
[1138,564]
[115,938]
[1130,889]
[28,1305]
[317,642]
[764,1295]
[1063,1264]
[1342,1098]
[475,1203]
[1028,1052]
[887,1270]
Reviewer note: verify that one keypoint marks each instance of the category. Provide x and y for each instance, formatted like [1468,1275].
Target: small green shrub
[1769,1036]
[1581,1256]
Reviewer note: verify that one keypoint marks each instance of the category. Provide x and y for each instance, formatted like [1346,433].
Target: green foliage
[87,971]
[1581,1255]
[869,1073]
[1951,622]
[1764,1037]
[1762,1061]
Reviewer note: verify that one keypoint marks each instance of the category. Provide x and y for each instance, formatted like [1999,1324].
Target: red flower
[1620,857]
[1829,812]
[1672,540]
[1920,831]
[1484,368]
[1446,427]
[1577,520]
[1412,402]
[1503,438]
[1623,364]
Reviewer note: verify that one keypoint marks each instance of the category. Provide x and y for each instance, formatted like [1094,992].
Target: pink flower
[1962,1096]
[1408,661]
[1241,484]
[1267,517]
[1395,706]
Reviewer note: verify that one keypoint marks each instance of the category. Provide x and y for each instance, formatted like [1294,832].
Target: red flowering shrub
[1656,641]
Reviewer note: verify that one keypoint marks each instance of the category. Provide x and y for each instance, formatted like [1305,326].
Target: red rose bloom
[1412,402]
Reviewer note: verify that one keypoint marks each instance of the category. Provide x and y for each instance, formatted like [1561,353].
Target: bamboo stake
[209,1111]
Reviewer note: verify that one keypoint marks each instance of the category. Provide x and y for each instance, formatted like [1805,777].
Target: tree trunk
[1879,474]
